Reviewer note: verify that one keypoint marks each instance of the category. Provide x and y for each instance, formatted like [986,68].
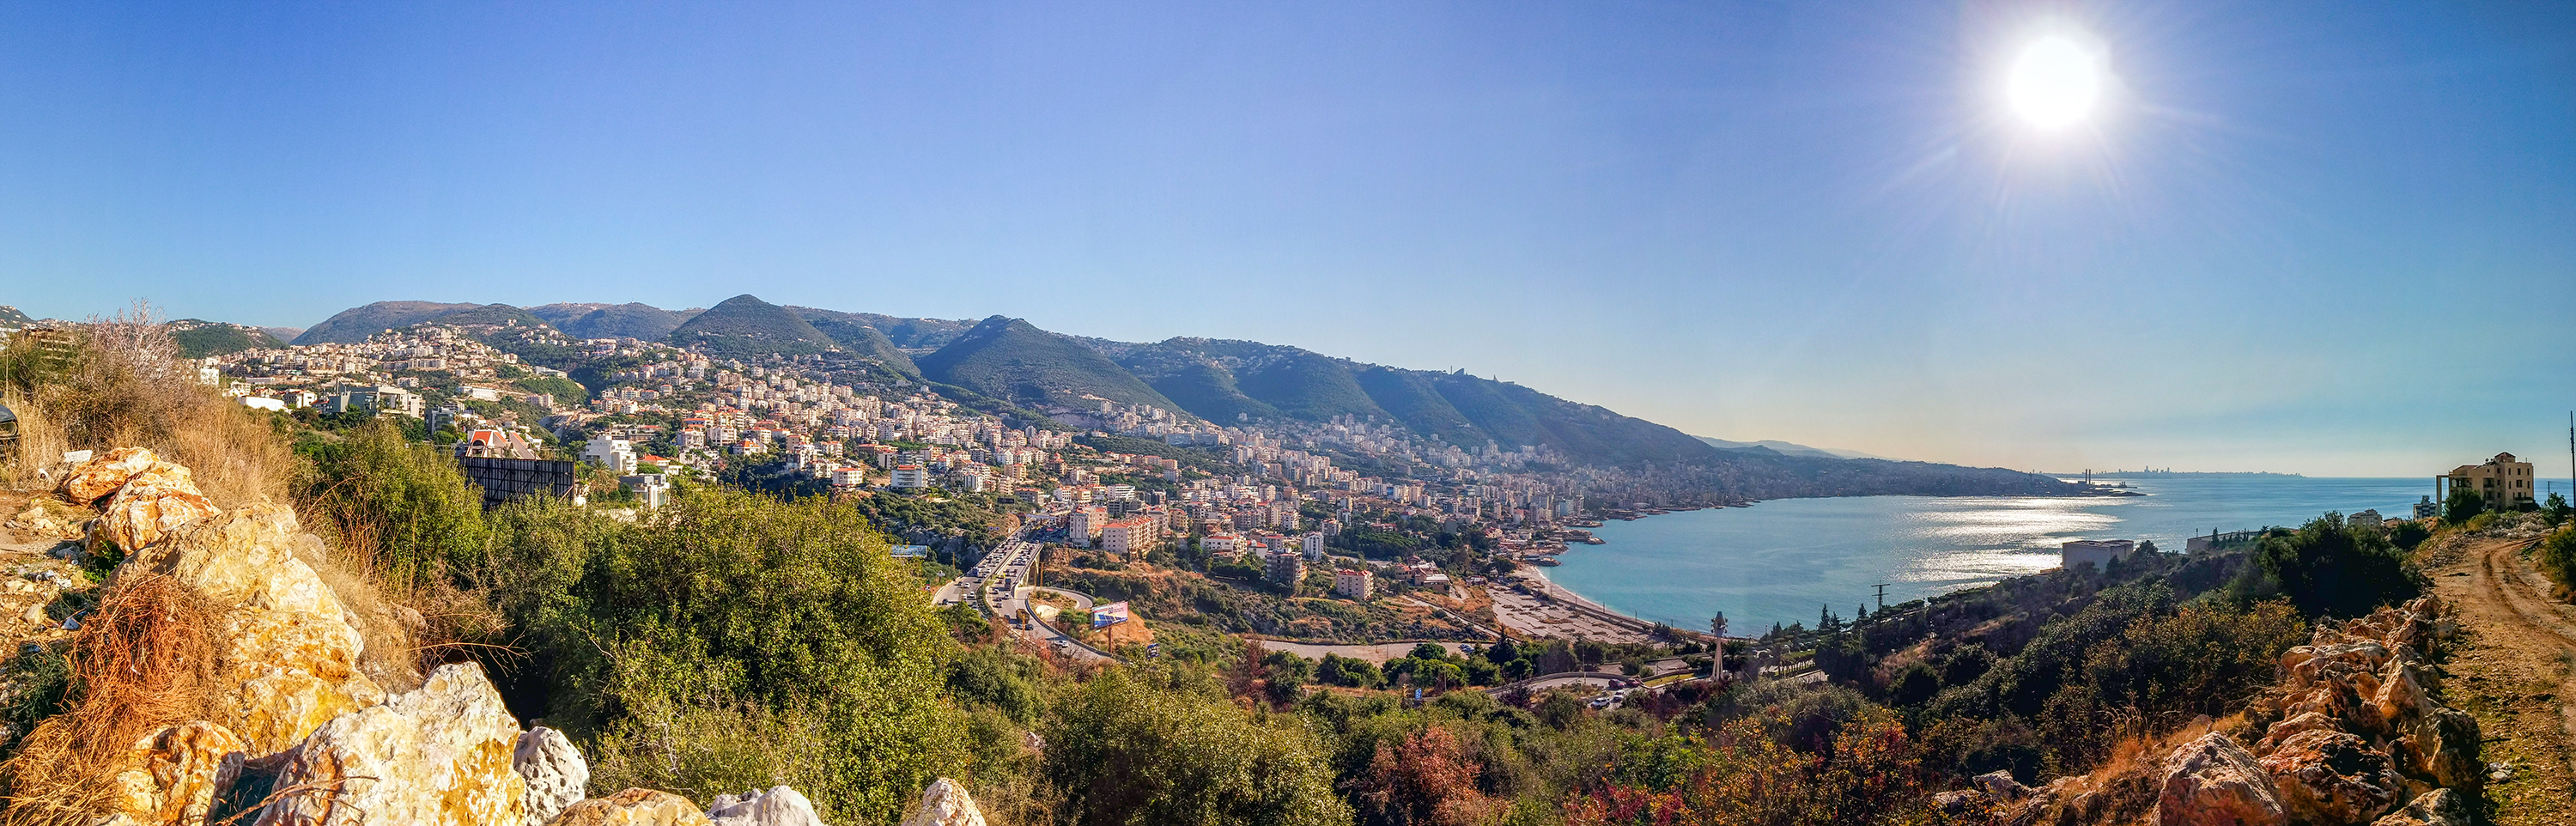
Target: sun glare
[2055,82]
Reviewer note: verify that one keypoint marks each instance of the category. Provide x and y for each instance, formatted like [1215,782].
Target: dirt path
[2516,671]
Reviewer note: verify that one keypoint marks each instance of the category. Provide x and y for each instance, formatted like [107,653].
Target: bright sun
[2055,82]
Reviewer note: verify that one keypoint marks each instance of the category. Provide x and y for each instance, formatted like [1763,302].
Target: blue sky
[2331,238]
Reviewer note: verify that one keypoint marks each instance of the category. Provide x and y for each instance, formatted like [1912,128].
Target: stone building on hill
[2503,482]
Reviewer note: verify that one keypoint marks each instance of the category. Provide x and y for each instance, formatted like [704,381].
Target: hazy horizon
[2290,238]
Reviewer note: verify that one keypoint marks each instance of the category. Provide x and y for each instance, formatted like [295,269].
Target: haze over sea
[1782,560]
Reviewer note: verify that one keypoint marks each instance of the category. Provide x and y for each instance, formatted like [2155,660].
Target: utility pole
[1882,597]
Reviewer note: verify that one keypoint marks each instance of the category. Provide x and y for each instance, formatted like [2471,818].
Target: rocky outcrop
[289,654]
[946,803]
[2358,728]
[556,775]
[438,756]
[2439,807]
[2213,782]
[633,807]
[173,775]
[147,499]
[101,476]
[2355,730]
[780,806]
[2329,776]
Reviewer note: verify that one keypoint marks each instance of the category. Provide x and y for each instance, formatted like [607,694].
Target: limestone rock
[173,775]
[152,505]
[2333,777]
[780,806]
[632,807]
[2443,747]
[2213,782]
[557,776]
[946,803]
[2439,807]
[96,478]
[439,756]
[2286,729]
[2000,785]
[289,650]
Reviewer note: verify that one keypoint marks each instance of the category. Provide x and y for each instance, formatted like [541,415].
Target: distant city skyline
[2328,239]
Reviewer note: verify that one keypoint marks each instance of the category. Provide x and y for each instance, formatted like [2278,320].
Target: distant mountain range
[1789,448]
[1007,363]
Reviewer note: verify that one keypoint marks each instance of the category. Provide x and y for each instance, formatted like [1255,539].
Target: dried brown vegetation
[145,661]
[119,382]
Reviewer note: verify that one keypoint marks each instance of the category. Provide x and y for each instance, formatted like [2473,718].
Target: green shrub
[729,641]
[2328,568]
[1121,751]
[404,508]
[2557,557]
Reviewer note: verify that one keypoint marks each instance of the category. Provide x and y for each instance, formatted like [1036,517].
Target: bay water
[1783,560]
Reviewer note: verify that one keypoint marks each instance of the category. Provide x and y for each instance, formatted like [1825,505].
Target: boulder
[173,775]
[2000,785]
[95,478]
[289,651]
[946,803]
[557,776]
[2442,747]
[439,756]
[2286,729]
[632,807]
[2213,782]
[780,806]
[151,506]
[2439,807]
[2333,777]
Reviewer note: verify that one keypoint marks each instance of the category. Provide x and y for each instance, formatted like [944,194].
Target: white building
[910,476]
[618,455]
[2098,552]
[1312,545]
[651,489]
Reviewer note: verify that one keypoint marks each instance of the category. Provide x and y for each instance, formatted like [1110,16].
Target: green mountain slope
[642,322]
[915,334]
[858,337]
[355,324]
[745,326]
[1410,397]
[1197,383]
[1009,359]
[199,338]
[12,319]
[490,316]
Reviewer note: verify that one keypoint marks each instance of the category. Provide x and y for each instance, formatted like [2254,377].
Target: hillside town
[1123,479]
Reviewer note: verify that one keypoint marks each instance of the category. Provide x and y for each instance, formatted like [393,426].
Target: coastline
[1780,562]
[1558,592]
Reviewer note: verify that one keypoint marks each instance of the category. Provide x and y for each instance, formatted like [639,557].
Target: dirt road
[2516,671]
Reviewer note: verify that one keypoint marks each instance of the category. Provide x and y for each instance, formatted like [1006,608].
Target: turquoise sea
[1783,560]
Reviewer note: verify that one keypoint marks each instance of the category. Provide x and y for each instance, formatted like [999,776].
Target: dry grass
[144,662]
[119,382]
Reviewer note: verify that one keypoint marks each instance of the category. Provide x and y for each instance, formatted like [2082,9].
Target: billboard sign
[1108,615]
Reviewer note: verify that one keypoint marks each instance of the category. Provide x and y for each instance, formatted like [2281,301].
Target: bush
[1121,751]
[2557,557]
[404,509]
[730,641]
[2328,568]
